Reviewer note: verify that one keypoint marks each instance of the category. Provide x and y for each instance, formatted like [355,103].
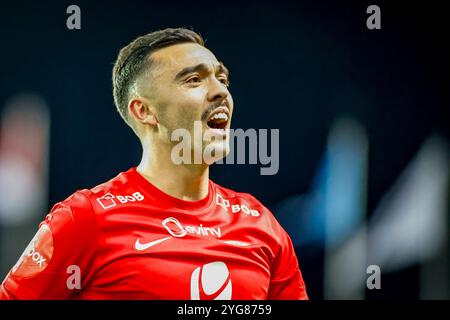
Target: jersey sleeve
[58,261]
[286,281]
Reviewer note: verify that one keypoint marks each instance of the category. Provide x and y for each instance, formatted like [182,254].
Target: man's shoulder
[246,200]
[119,182]
[230,193]
[247,204]
[99,196]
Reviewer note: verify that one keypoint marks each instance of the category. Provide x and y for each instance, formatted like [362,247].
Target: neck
[185,182]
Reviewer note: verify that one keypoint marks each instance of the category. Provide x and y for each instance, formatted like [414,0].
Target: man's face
[189,85]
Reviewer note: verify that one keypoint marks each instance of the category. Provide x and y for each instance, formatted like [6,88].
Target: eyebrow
[201,67]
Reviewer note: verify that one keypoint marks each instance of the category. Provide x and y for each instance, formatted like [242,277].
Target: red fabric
[125,239]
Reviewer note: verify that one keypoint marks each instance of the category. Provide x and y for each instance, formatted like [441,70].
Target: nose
[217,91]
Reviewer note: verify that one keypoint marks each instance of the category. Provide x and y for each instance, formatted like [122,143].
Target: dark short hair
[133,60]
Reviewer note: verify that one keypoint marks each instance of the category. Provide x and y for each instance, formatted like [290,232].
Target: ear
[141,112]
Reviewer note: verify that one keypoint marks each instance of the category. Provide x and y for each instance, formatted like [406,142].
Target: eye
[225,81]
[193,79]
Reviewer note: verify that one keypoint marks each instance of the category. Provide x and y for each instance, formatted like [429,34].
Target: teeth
[220,115]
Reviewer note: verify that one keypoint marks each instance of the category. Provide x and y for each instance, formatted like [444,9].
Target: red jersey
[126,239]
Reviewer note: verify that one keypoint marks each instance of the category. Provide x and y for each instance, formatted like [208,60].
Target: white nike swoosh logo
[236,243]
[143,246]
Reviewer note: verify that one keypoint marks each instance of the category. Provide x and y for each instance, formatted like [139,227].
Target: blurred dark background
[296,66]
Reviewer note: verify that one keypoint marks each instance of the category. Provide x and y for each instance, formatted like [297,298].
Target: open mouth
[218,119]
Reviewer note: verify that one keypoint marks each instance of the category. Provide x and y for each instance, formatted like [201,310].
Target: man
[162,230]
